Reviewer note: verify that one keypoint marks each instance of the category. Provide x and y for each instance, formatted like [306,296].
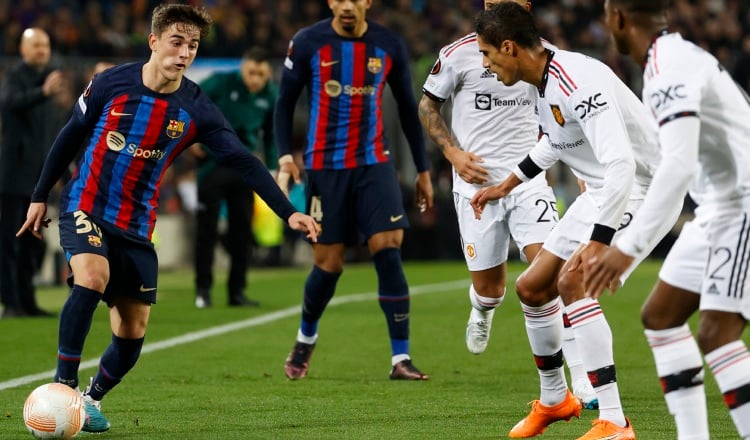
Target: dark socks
[75,322]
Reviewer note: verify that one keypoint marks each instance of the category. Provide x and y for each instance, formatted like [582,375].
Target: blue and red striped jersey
[133,135]
[345,80]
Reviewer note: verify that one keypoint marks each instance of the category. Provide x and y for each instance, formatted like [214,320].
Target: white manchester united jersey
[596,125]
[683,80]
[489,119]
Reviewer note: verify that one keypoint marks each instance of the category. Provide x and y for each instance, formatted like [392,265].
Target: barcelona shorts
[133,263]
[354,204]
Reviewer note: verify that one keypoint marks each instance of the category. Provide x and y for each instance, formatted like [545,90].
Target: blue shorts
[353,205]
[133,264]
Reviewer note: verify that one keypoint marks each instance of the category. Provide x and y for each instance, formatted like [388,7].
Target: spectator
[247,98]
[29,126]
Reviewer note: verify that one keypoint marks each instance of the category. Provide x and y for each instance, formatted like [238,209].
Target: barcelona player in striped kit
[345,63]
[132,120]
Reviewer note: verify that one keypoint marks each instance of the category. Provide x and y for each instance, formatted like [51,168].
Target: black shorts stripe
[740,263]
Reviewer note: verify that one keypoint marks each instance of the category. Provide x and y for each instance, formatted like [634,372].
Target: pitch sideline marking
[226,328]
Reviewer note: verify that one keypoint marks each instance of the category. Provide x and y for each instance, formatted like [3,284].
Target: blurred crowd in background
[84,32]
[118,29]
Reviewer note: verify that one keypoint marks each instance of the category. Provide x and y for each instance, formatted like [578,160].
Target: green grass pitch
[218,373]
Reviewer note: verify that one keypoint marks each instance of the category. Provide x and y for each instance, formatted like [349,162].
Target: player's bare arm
[494,192]
[35,220]
[424,192]
[464,162]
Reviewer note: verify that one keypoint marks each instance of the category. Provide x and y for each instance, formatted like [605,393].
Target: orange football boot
[542,416]
[606,430]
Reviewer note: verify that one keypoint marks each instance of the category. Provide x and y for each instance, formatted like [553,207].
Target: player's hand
[424,193]
[605,271]
[287,169]
[35,220]
[304,223]
[467,166]
[484,196]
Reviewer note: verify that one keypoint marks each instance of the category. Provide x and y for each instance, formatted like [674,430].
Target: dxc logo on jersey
[483,101]
[590,106]
[672,93]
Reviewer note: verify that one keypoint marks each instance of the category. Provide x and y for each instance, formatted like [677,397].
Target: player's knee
[489,289]
[531,292]
[717,329]
[708,336]
[92,279]
[655,318]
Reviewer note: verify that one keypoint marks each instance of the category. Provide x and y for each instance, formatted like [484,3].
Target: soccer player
[702,117]
[345,62]
[246,97]
[594,124]
[132,121]
[492,128]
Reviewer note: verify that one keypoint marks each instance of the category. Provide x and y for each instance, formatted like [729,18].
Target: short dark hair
[257,54]
[507,21]
[645,6]
[166,15]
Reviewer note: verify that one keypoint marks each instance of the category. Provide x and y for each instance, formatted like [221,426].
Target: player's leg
[239,213]
[596,349]
[727,355]
[90,274]
[327,202]
[394,300]
[381,218]
[537,290]
[532,213]
[210,194]
[485,245]
[129,295]
[579,379]
[679,364]
[128,318]
[678,360]
[725,310]
[86,250]
[486,293]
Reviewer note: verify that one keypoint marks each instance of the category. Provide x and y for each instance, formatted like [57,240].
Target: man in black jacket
[29,125]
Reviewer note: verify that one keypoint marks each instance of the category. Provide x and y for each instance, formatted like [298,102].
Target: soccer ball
[54,411]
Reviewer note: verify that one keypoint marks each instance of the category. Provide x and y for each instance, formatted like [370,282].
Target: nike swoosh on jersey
[328,63]
[395,218]
[116,113]
[147,289]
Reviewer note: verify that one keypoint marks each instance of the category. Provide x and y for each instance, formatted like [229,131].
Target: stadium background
[85,32]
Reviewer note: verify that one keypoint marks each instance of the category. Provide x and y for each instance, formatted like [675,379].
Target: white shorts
[576,225]
[711,257]
[528,215]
